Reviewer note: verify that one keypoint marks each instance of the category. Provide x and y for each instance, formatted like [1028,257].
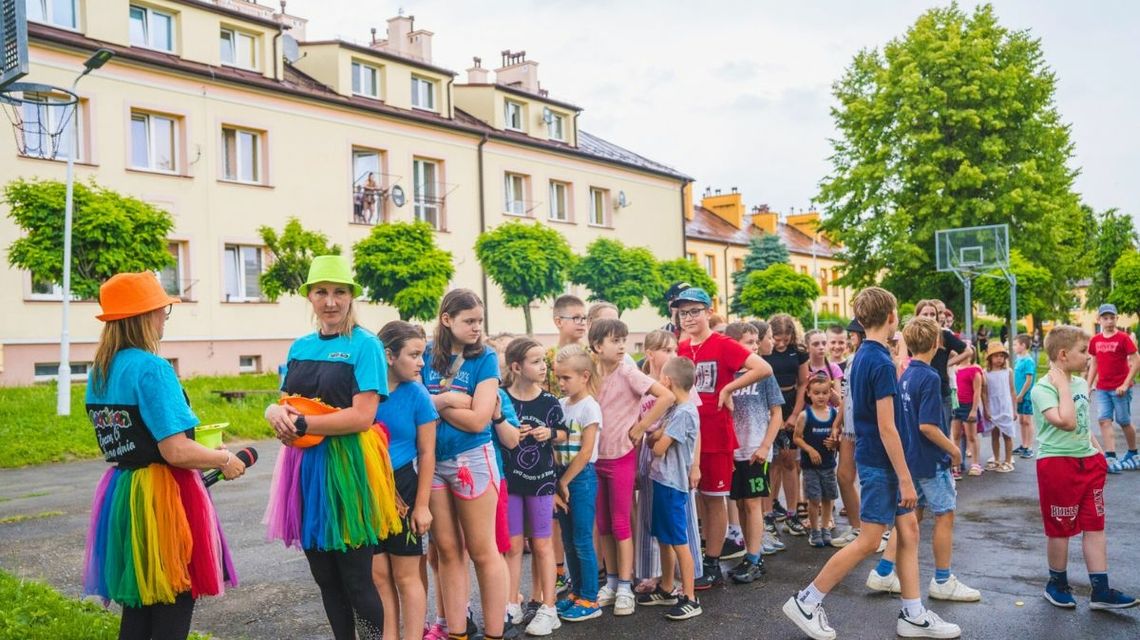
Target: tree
[680,270]
[1034,284]
[1115,234]
[1126,283]
[293,252]
[763,251]
[778,289]
[528,261]
[111,233]
[399,264]
[953,124]
[616,273]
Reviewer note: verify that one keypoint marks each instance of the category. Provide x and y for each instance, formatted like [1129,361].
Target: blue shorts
[962,412]
[879,493]
[1025,407]
[938,493]
[1113,407]
[669,518]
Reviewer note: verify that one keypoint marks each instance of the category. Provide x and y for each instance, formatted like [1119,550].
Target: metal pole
[968,311]
[1012,309]
[815,274]
[63,376]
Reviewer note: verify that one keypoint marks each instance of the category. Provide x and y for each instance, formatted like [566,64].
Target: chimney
[807,222]
[728,207]
[477,74]
[765,219]
[518,72]
[420,46]
[399,28]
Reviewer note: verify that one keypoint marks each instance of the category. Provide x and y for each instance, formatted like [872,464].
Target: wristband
[301,425]
[498,421]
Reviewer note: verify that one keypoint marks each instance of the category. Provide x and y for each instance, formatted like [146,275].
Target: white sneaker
[953,590]
[883,541]
[847,538]
[928,625]
[624,603]
[544,622]
[887,584]
[812,621]
[606,596]
[514,613]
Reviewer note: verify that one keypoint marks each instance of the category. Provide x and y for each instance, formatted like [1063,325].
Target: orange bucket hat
[127,295]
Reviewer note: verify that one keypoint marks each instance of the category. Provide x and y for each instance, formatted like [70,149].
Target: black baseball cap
[675,290]
[856,327]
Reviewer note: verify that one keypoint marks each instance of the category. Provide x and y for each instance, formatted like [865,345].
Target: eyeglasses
[574,319]
[169,308]
[691,313]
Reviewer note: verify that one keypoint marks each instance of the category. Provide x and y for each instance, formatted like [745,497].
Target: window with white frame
[241,155]
[599,203]
[559,201]
[42,112]
[514,186]
[151,28]
[44,289]
[45,371]
[173,277]
[367,187]
[556,128]
[59,13]
[365,80]
[423,93]
[249,364]
[513,115]
[243,266]
[238,49]
[425,180]
[710,265]
[154,142]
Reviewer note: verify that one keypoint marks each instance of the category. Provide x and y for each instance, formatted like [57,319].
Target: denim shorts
[938,493]
[1113,407]
[819,483]
[962,411]
[879,492]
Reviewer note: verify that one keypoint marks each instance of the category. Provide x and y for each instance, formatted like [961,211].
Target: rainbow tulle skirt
[334,496]
[154,534]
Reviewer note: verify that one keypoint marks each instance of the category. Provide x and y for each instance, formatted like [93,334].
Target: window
[556,128]
[710,265]
[599,213]
[60,13]
[43,113]
[241,155]
[366,80]
[367,187]
[692,257]
[239,49]
[803,270]
[559,201]
[737,265]
[834,277]
[835,308]
[515,194]
[173,277]
[425,178]
[242,270]
[45,371]
[513,116]
[152,29]
[423,93]
[44,289]
[249,364]
[153,142]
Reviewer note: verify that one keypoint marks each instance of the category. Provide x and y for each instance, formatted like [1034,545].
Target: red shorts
[502,528]
[1072,494]
[716,473]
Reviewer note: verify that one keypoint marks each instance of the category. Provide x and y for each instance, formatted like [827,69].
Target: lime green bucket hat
[330,269]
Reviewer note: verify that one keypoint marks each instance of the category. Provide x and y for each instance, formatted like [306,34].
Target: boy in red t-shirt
[1114,367]
[717,358]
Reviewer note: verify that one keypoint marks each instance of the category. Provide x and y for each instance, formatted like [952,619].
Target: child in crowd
[818,424]
[1114,367]
[789,362]
[577,488]
[837,345]
[674,449]
[888,493]
[972,401]
[1071,472]
[999,416]
[1024,377]
[845,472]
[622,387]
[820,365]
[755,417]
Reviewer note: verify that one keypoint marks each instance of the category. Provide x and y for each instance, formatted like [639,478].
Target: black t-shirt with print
[530,466]
[950,342]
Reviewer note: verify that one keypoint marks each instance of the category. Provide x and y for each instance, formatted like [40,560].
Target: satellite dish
[547,115]
[291,50]
[397,195]
[622,201]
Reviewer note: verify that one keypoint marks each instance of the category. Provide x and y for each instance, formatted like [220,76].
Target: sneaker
[436,631]
[1114,466]
[1060,595]
[530,609]
[747,571]
[606,596]
[1130,462]
[657,597]
[544,623]
[731,550]
[975,470]
[847,538]
[793,527]
[1027,454]
[624,603]
[1018,451]
[826,535]
[514,613]
[953,590]
[712,577]
[928,625]
[510,632]
[811,620]
[1112,600]
[886,584]
[684,609]
[771,544]
[581,610]
[561,606]
[779,511]
[561,582]
[883,541]
[815,539]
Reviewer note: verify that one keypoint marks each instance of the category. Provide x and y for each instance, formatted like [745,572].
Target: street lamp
[63,398]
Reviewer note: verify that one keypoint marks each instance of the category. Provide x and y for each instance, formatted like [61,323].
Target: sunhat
[330,269]
[994,348]
[127,295]
[692,294]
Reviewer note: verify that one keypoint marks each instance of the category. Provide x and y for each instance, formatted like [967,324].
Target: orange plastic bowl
[307,407]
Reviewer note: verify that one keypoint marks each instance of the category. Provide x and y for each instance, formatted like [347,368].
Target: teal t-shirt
[1056,443]
[1024,366]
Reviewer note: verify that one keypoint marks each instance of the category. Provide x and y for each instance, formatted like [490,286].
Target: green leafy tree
[1034,285]
[528,261]
[763,251]
[1126,283]
[616,273]
[293,252]
[680,270]
[111,233]
[953,124]
[778,289]
[399,264]
[1115,235]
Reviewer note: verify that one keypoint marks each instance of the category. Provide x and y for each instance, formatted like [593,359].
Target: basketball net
[39,115]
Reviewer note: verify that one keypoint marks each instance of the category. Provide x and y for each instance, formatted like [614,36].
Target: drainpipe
[451,100]
[280,32]
[684,238]
[482,228]
[726,300]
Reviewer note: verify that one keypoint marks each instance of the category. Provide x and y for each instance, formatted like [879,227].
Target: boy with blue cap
[1114,367]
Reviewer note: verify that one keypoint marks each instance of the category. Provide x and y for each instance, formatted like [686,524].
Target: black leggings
[347,590]
[158,621]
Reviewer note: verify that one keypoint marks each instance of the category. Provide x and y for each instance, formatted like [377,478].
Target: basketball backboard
[972,249]
[13,41]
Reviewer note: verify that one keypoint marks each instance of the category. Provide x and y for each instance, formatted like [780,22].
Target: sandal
[1004,467]
[991,465]
[975,470]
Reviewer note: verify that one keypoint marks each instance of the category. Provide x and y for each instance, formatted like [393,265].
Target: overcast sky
[737,93]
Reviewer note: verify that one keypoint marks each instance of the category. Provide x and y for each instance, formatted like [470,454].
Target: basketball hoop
[39,114]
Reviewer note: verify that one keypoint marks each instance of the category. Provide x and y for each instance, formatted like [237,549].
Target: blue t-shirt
[407,407]
[335,368]
[872,376]
[920,392]
[815,432]
[141,404]
[451,441]
[1024,366]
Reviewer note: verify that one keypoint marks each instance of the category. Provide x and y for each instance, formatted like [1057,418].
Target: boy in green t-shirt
[1071,472]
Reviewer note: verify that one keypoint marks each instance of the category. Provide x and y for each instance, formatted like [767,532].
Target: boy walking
[1114,367]
[1024,377]
[888,493]
[1071,472]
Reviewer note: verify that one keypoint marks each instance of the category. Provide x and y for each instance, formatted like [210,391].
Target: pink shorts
[615,495]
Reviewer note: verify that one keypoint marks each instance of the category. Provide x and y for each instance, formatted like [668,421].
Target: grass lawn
[33,434]
[35,611]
